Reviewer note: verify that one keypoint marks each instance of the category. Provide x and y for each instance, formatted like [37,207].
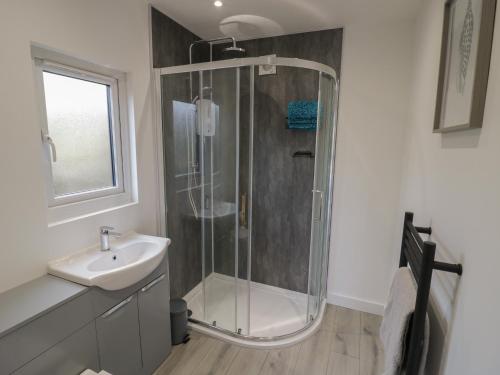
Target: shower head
[233,52]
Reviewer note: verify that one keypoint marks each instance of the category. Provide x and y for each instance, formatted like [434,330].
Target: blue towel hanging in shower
[302,115]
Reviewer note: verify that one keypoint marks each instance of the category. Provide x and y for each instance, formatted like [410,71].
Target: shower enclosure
[219,169]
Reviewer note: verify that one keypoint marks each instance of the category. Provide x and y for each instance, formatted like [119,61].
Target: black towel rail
[419,255]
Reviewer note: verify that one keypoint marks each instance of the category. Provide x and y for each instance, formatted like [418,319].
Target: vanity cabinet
[119,340]
[28,341]
[53,326]
[154,322]
[134,335]
[73,355]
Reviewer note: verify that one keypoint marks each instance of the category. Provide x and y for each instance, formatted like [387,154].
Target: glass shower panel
[330,102]
[321,211]
[182,188]
[218,126]
[245,84]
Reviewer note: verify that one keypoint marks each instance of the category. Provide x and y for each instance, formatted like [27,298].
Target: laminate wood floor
[347,343]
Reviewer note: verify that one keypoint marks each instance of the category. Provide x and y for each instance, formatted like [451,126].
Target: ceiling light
[218,3]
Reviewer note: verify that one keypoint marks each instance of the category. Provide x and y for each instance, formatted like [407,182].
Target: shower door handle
[243,209]
[317,205]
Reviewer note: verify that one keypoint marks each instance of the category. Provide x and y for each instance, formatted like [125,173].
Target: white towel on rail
[395,324]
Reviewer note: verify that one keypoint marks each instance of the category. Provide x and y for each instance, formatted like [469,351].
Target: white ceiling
[273,17]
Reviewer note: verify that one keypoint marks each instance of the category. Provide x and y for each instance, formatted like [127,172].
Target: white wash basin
[131,258]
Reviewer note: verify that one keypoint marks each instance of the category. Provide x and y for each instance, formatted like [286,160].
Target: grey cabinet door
[71,356]
[118,338]
[154,320]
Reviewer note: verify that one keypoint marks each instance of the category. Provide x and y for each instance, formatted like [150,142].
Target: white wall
[453,184]
[373,113]
[113,33]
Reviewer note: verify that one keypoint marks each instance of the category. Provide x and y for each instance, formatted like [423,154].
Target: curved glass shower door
[202,113]
[323,181]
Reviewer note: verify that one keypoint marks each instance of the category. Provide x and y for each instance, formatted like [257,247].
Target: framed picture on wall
[465,63]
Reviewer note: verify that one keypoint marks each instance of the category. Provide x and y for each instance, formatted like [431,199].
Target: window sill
[77,211]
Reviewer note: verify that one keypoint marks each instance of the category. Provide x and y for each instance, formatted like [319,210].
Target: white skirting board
[355,303]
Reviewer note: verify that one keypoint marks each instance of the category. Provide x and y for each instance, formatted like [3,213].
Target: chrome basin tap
[105,232]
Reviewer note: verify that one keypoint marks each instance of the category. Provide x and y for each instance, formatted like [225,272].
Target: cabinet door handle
[118,307]
[153,283]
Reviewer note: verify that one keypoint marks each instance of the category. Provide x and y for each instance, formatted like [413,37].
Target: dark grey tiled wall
[282,199]
[170,47]
[321,46]
[282,184]
[171,42]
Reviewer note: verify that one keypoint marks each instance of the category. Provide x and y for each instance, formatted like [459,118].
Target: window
[83,129]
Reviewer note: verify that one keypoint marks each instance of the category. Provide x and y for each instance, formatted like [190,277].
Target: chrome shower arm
[210,41]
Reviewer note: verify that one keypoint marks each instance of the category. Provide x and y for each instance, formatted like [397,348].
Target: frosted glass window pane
[79,123]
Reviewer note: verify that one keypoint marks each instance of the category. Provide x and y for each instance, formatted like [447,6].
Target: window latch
[46,139]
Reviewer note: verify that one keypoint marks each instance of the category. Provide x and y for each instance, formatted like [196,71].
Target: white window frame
[83,203]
